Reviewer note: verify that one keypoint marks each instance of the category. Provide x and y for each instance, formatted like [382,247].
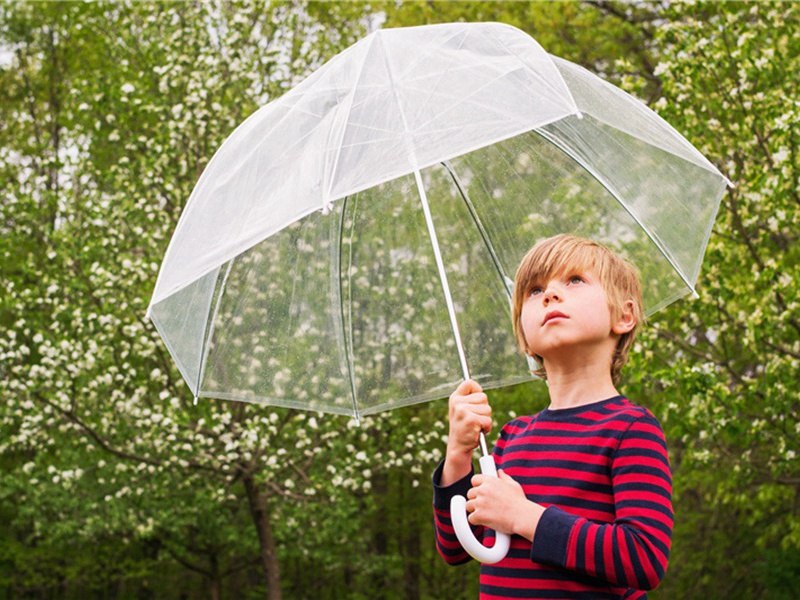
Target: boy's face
[569,312]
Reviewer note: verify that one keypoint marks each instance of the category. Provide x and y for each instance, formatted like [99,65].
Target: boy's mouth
[554,314]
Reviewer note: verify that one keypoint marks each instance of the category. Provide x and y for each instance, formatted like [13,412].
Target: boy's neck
[579,386]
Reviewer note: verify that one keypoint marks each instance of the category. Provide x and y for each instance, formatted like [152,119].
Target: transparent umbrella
[350,248]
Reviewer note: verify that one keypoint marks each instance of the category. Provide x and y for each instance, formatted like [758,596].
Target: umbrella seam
[171,348]
[346,112]
[479,226]
[555,68]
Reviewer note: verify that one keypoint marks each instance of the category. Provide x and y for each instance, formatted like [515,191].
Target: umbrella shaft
[448,297]
[484,449]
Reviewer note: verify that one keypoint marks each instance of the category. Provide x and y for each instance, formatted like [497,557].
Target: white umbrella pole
[458,504]
[448,297]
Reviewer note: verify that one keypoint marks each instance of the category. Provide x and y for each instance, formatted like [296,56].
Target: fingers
[469,398]
[469,392]
[474,504]
[488,499]
[473,493]
[503,476]
[467,387]
[471,516]
[470,414]
[476,481]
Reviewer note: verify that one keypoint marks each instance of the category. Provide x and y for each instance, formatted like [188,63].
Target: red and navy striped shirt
[602,472]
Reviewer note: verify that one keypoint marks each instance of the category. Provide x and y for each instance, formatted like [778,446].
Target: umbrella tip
[194,403]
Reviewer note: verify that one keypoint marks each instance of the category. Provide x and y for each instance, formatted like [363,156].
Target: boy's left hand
[500,504]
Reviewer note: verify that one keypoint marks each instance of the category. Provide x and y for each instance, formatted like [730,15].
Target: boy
[584,487]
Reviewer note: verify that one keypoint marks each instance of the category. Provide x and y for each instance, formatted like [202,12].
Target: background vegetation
[113,485]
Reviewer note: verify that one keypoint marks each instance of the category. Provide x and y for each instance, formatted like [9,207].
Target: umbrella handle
[458,515]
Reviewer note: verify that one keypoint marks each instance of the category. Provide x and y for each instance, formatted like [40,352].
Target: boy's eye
[536,290]
[576,279]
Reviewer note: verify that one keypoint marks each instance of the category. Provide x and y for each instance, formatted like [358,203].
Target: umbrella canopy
[302,272]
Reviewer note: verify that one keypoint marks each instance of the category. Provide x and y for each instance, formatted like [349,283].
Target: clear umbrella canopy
[302,273]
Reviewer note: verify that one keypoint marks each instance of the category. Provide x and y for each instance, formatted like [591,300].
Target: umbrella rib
[480,227]
[211,326]
[347,333]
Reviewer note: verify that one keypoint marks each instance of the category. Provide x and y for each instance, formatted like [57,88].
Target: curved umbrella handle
[458,515]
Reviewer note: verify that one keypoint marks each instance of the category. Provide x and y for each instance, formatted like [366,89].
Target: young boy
[584,486]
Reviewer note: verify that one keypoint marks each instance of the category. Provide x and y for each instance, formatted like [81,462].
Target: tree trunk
[266,539]
[379,583]
[410,541]
[215,581]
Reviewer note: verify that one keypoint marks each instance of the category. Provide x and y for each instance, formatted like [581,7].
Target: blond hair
[561,254]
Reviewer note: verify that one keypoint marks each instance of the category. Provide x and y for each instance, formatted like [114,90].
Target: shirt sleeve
[447,543]
[633,550]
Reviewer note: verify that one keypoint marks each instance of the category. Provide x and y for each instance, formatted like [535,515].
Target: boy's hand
[500,503]
[469,414]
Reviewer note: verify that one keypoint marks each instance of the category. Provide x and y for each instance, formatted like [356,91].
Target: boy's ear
[626,321]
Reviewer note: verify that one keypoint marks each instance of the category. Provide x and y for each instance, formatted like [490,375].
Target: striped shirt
[602,472]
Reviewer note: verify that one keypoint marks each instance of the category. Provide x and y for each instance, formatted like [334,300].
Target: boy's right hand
[469,414]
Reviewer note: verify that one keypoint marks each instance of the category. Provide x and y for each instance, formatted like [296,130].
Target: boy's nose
[550,294]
